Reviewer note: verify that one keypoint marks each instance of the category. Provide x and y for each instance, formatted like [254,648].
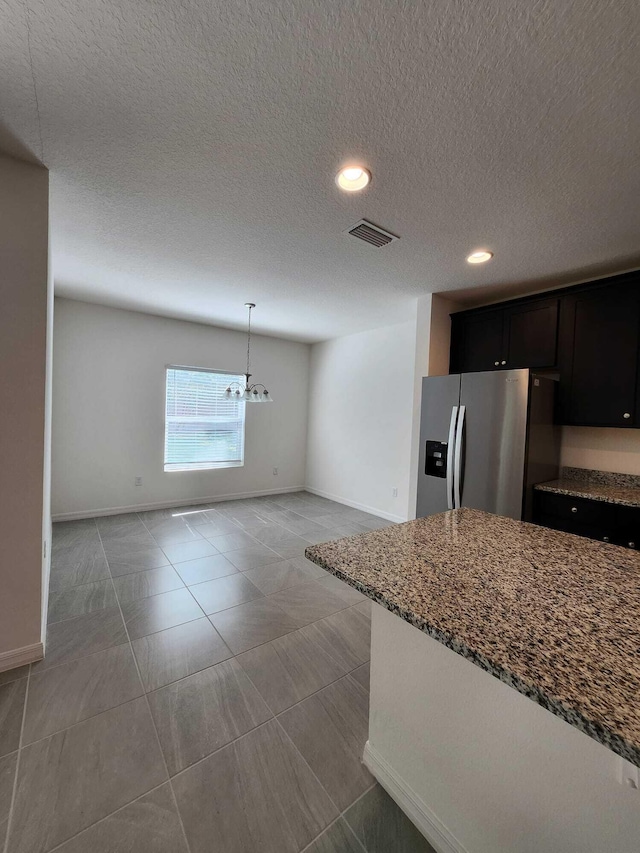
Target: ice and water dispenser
[436,462]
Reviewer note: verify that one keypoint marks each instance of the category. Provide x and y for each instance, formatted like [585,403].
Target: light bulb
[353,178]
[479,257]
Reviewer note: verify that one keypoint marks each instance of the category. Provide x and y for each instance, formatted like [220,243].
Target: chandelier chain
[250,393]
[249,345]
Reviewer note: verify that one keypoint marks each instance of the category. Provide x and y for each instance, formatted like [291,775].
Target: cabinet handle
[631,544]
[574,509]
[627,415]
[503,362]
[497,363]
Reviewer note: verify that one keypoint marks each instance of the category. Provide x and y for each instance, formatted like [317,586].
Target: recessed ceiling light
[353,178]
[479,257]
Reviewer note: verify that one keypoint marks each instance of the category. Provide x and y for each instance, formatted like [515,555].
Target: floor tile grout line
[299,628]
[195,672]
[20,742]
[153,722]
[82,657]
[88,612]
[14,792]
[232,656]
[77,586]
[204,616]
[186,587]
[144,690]
[342,815]
[106,817]
[141,571]
[328,827]
[304,699]
[224,746]
[92,717]
[207,581]
[311,770]
[233,521]
[283,559]
[276,717]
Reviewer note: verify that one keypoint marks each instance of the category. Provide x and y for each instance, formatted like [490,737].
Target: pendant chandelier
[250,393]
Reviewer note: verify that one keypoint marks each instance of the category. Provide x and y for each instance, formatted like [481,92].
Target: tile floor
[205,690]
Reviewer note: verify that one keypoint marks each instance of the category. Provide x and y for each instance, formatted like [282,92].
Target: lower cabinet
[619,525]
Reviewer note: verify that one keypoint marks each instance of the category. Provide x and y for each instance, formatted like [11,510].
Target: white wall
[24,212]
[360,419]
[478,766]
[610,449]
[108,409]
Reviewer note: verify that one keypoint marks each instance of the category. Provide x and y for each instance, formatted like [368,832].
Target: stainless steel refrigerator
[485,439]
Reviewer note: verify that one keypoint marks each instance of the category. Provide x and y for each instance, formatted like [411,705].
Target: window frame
[208,466]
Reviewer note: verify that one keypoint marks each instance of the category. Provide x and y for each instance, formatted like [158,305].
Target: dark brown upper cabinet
[531,334]
[589,334]
[522,334]
[476,341]
[599,356]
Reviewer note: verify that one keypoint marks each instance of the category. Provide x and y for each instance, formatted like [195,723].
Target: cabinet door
[628,526]
[531,334]
[481,336]
[599,360]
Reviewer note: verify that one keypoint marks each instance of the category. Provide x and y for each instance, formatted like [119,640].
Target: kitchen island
[505,681]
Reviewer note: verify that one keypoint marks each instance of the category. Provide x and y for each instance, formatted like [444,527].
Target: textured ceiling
[192,146]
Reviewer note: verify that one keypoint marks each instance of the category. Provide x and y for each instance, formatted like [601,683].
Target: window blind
[202,429]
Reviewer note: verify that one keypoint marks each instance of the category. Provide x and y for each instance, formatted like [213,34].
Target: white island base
[480,768]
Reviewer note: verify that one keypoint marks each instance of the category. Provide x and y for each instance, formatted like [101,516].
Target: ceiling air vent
[370,233]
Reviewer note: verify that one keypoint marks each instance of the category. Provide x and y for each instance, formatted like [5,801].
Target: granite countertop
[555,616]
[626,496]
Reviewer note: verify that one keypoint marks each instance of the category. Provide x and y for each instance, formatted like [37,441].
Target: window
[202,429]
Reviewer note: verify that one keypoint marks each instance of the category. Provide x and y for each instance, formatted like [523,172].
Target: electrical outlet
[138,481]
[275,472]
[394,493]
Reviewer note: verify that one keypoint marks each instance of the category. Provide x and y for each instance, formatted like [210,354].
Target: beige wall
[24,193]
[440,335]
[601,449]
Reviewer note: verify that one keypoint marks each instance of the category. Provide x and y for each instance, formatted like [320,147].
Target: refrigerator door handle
[457,467]
[450,456]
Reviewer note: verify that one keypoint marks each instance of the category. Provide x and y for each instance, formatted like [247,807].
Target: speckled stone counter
[603,486]
[555,616]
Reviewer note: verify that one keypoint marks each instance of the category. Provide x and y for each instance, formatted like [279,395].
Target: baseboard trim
[19,657]
[416,809]
[117,510]
[364,507]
